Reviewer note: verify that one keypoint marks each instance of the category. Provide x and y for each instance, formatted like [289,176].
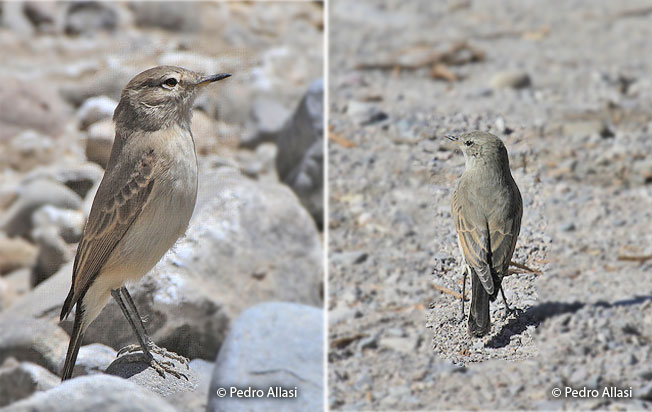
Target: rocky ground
[567,88]
[255,236]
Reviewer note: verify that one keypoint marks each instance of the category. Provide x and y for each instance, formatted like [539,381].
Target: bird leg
[146,345]
[463,294]
[508,310]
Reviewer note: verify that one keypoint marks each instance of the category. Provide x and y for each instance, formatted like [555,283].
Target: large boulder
[247,242]
[176,16]
[26,104]
[16,253]
[271,345]
[32,340]
[300,159]
[20,380]
[182,315]
[37,193]
[139,372]
[253,241]
[94,393]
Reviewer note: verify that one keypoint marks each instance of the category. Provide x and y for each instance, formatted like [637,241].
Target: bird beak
[213,78]
[454,139]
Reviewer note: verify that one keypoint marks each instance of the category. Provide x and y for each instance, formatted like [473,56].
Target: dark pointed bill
[213,78]
[453,138]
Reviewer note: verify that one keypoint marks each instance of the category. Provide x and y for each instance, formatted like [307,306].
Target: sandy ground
[567,88]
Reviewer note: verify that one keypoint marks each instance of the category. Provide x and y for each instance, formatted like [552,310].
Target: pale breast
[167,213]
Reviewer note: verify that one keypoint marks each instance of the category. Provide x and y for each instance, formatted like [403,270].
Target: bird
[486,209]
[142,206]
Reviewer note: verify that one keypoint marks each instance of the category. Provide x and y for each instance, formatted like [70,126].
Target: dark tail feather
[67,306]
[75,343]
[479,323]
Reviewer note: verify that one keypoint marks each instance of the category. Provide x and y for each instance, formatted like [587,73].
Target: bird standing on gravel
[142,205]
[487,210]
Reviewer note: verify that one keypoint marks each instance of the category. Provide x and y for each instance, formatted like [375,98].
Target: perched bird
[142,206]
[487,210]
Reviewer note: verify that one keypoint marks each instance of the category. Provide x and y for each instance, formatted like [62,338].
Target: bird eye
[171,82]
[468,143]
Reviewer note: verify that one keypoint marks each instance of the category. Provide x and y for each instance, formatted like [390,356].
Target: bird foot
[161,366]
[128,349]
[509,311]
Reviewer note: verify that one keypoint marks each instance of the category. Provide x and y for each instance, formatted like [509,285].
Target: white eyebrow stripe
[151,106]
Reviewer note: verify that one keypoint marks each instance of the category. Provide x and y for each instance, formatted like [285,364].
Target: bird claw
[166,366]
[170,355]
[128,349]
[509,312]
[161,366]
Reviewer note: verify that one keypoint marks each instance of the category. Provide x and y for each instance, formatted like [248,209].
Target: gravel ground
[568,90]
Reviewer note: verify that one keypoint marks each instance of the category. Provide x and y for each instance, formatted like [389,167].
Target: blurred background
[566,85]
[242,291]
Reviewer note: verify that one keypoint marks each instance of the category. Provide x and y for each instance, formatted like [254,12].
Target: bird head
[481,148]
[160,97]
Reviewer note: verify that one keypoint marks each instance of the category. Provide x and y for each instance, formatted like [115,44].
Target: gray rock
[259,165]
[300,158]
[511,80]
[645,392]
[43,302]
[69,224]
[92,359]
[268,118]
[16,253]
[253,241]
[13,286]
[53,252]
[197,399]
[98,392]
[20,380]
[272,345]
[30,105]
[348,258]
[307,181]
[183,315]
[78,176]
[568,227]
[15,19]
[42,15]
[205,131]
[172,15]
[29,149]
[226,102]
[90,17]
[32,340]
[301,131]
[581,128]
[168,386]
[103,83]
[365,113]
[37,193]
[400,344]
[199,62]
[95,109]
[100,141]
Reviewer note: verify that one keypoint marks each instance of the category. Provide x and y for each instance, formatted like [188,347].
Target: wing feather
[111,216]
[504,233]
[474,240]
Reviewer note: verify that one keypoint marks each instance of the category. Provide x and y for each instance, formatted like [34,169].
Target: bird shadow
[127,366]
[534,315]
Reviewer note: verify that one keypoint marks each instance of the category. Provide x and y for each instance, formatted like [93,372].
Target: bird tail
[479,323]
[75,342]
